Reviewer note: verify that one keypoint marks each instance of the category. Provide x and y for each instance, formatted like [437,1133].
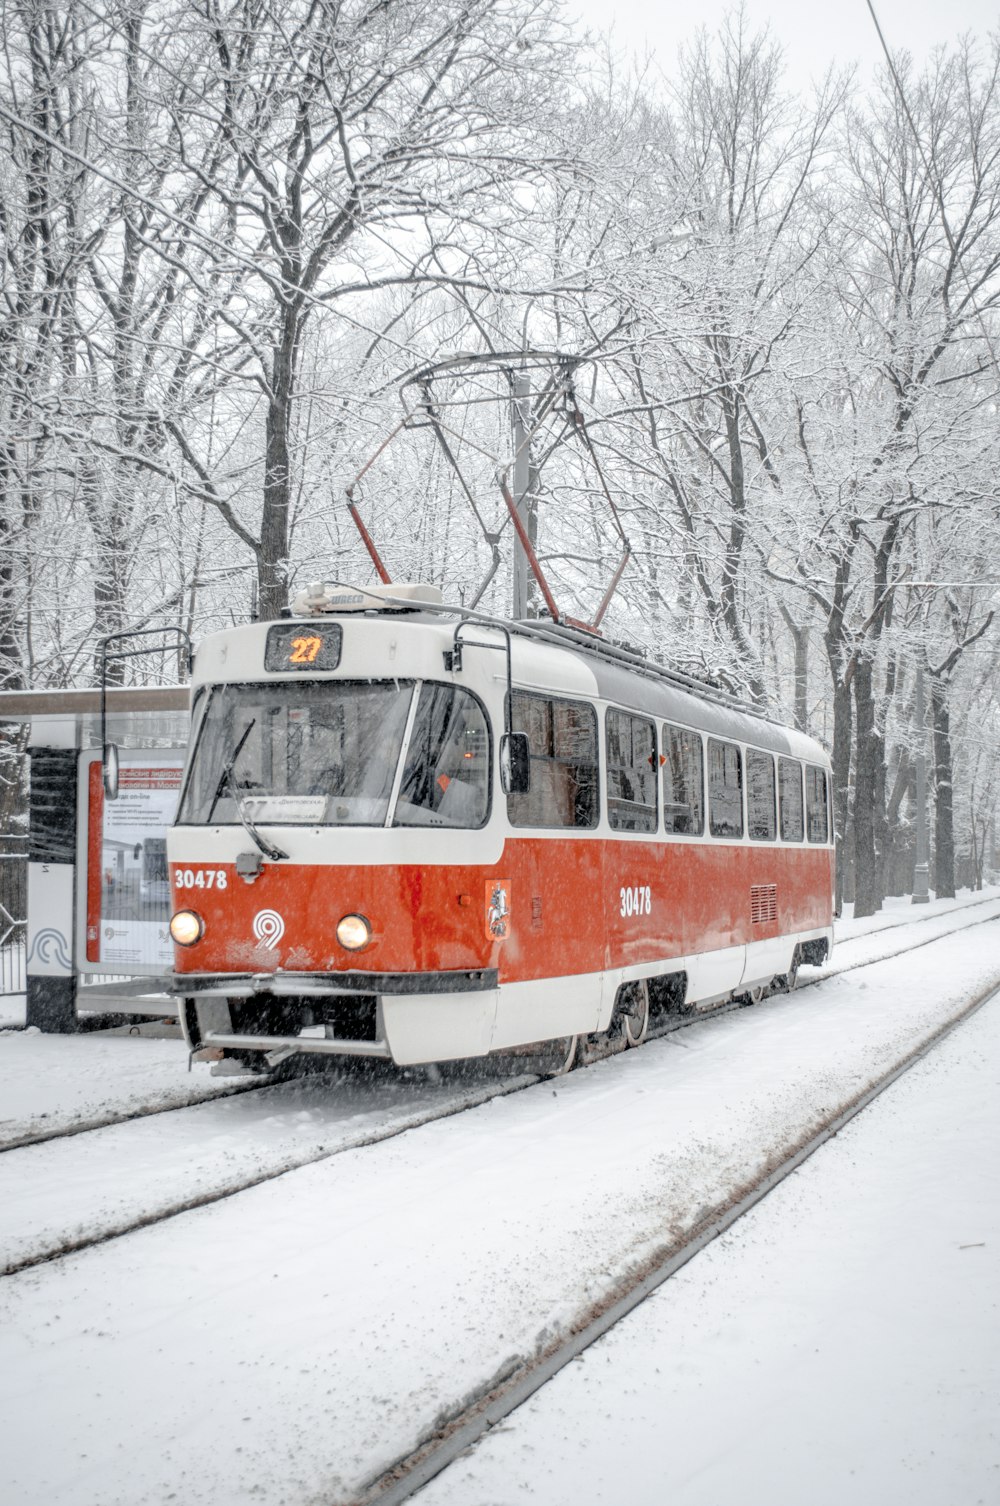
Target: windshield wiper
[269,849]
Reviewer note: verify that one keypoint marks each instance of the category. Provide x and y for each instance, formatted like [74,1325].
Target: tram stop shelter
[95,938]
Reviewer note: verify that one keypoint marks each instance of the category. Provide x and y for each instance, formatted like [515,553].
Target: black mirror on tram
[515,763]
[110,762]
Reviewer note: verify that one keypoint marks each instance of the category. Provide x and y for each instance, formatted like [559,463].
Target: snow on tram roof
[641,685]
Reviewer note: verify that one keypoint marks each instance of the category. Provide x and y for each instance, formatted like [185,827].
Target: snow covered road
[58,1195]
[51,1084]
[845,1332]
[859,942]
[285,1345]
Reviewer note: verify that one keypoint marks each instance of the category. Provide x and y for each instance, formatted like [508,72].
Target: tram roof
[541,649]
[640,685]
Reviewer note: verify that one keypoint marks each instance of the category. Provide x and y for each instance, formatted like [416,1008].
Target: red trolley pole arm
[606,602]
[526,545]
[366,539]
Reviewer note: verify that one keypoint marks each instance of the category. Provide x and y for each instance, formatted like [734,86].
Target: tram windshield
[328,753]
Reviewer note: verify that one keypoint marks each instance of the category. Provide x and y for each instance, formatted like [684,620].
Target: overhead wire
[936,184]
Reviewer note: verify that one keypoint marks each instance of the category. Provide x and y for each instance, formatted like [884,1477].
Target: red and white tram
[410,833]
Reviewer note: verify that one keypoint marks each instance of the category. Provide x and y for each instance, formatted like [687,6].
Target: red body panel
[565,897]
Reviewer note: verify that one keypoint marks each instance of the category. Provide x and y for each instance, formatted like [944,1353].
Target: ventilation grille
[763,903]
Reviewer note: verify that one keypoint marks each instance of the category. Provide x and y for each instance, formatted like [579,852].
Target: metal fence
[13,921]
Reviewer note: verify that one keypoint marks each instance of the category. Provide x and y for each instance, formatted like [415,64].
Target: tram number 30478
[637,899]
[200,878]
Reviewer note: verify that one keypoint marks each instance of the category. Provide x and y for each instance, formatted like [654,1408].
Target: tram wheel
[632,1012]
[564,1054]
[752,995]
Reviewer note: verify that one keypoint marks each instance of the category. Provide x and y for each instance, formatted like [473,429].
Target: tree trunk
[869,780]
[272,562]
[109,527]
[841,758]
[944,825]
[800,643]
[801,639]
[728,590]
[899,854]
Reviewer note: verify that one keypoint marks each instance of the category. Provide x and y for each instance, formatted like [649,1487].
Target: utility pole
[520,423]
[920,872]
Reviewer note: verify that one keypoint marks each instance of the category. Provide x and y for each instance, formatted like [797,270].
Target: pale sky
[812,34]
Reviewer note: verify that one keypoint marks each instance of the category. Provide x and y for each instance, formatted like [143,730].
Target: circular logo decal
[268,927]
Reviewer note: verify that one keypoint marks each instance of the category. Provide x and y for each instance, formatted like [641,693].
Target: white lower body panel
[710,974]
[415,1028]
[546,1008]
[439,1027]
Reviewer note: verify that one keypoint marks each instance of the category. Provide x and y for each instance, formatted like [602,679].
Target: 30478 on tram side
[412,834]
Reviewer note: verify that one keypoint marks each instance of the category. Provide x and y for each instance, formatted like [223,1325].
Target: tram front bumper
[407,1018]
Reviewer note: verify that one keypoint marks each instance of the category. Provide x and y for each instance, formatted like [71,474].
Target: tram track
[475,1416]
[835,970]
[57,1248]
[227,1185]
[86,1126]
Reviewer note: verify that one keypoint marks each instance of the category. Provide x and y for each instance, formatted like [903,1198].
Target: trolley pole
[920,872]
[520,420]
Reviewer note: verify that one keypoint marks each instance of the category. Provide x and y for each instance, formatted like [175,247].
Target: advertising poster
[128,888]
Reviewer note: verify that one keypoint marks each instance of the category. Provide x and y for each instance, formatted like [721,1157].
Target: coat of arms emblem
[498,909]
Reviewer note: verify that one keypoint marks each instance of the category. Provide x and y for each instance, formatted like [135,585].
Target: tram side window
[683,782]
[562,743]
[761,822]
[725,789]
[631,747]
[446,781]
[790,798]
[817,824]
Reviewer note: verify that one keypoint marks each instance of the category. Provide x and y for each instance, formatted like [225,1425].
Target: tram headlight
[187,927]
[353,932]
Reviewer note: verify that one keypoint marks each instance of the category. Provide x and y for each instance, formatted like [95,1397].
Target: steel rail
[73,1246]
[145,1111]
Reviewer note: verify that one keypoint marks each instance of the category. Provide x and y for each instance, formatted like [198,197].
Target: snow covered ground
[11,1011]
[285,1344]
[56,1195]
[840,1345]
[900,909]
[50,1083]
